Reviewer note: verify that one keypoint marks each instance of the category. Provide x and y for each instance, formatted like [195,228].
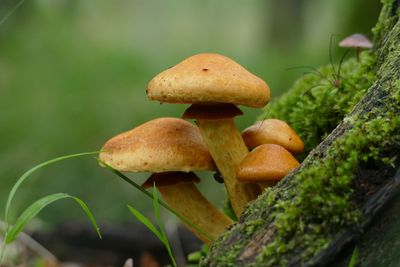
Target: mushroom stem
[187,200]
[358,50]
[227,148]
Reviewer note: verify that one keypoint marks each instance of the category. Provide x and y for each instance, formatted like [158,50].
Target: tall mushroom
[214,84]
[170,148]
[273,131]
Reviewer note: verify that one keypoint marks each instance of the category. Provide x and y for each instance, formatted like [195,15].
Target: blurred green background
[74,73]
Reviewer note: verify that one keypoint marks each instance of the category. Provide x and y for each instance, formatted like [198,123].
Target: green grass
[25,176]
[354,258]
[13,229]
[160,233]
[162,203]
[37,206]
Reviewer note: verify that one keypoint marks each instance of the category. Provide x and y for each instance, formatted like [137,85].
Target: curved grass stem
[17,186]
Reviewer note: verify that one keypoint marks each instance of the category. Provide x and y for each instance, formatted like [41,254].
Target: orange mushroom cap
[209,78]
[273,131]
[160,145]
[266,163]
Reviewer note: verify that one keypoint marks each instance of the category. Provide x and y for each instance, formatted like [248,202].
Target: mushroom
[356,41]
[215,84]
[266,165]
[178,189]
[170,148]
[273,131]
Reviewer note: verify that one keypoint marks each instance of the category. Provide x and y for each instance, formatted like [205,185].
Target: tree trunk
[316,215]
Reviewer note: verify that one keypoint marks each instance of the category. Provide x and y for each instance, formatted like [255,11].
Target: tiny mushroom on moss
[273,131]
[171,149]
[356,41]
[266,165]
[214,85]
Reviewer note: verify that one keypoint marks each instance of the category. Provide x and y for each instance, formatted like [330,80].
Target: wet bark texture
[375,187]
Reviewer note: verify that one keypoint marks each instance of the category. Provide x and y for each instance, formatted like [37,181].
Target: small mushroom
[170,148]
[273,131]
[266,165]
[215,84]
[356,41]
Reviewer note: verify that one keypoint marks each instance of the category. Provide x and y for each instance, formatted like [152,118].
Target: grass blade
[161,235]
[354,258]
[158,218]
[89,214]
[146,222]
[32,170]
[9,14]
[21,180]
[157,212]
[36,207]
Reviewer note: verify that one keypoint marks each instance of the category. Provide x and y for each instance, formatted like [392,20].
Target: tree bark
[373,186]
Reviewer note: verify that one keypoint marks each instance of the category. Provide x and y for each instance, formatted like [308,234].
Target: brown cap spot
[267,162]
[229,82]
[160,145]
[273,131]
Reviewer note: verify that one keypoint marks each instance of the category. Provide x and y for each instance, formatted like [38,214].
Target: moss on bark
[308,217]
[314,106]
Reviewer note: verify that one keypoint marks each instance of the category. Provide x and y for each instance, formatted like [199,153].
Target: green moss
[319,202]
[320,205]
[314,107]
[385,22]
[307,209]
[313,115]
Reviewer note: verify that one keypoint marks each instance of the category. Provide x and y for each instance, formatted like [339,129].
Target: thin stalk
[341,62]
[162,203]
[330,53]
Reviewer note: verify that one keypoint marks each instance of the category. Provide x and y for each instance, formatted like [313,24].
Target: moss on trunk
[311,214]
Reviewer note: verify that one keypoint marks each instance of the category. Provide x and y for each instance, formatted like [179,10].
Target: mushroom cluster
[275,143]
[214,85]
[171,149]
